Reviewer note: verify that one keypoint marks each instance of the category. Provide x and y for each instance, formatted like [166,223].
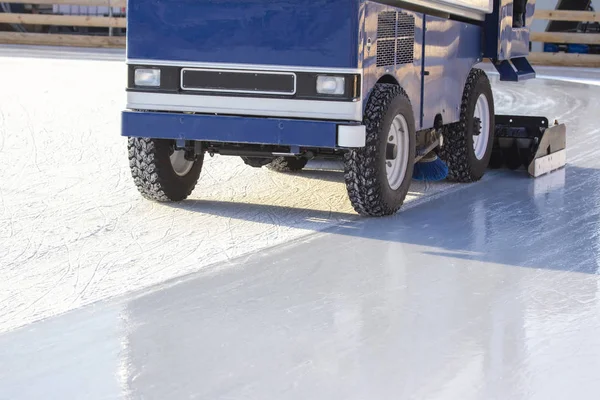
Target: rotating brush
[430,168]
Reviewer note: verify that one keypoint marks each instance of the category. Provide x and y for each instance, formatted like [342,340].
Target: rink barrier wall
[110,41]
[74,39]
[561,58]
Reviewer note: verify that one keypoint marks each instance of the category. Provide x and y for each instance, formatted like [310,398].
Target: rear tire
[466,153]
[256,162]
[159,172]
[378,186]
[287,164]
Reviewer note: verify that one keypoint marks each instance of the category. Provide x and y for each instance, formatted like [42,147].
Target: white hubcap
[482,111]
[396,168]
[181,166]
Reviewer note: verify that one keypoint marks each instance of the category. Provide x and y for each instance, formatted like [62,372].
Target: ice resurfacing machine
[391,88]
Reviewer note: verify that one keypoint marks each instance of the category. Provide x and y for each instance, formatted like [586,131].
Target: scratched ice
[73,229]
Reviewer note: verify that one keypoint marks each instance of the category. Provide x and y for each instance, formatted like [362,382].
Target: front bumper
[248,130]
[252,106]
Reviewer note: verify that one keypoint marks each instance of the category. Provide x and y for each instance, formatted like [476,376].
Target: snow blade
[528,142]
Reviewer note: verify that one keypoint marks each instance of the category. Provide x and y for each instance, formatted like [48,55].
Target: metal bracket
[551,153]
[530,142]
[427,140]
[514,70]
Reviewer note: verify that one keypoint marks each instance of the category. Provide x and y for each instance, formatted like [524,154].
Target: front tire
[160,172]
[468,144]
[378,175]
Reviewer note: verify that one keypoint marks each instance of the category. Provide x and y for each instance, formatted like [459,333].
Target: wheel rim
[482,112]
[398,136]
[180,165]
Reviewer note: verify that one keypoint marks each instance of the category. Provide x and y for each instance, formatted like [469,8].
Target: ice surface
[487,293]
[74,230]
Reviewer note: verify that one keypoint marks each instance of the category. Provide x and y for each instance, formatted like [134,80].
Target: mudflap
[523,141]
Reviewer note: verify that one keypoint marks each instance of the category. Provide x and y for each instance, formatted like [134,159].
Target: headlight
[330,85]
[147,77]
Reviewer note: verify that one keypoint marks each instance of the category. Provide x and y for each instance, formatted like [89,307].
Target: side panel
[396,66]
[451,50]
[504,42]
[305,33]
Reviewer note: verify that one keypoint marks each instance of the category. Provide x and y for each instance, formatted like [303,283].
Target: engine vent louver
[395,38]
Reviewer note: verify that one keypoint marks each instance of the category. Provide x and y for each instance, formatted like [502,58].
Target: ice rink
[266,285]
[74,229]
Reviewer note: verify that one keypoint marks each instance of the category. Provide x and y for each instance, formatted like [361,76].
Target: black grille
[395,38]
[235,81]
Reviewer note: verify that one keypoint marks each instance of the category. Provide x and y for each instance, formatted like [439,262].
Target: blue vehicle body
[315,36]
[389,86]
[258,32]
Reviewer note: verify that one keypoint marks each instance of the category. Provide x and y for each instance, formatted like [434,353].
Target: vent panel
[395,39]
[386,52]
[405,50]
[406,26]
[386,25]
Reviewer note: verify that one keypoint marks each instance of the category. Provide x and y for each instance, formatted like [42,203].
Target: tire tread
[153,176]
[361,168]
[287,164]
[456,151]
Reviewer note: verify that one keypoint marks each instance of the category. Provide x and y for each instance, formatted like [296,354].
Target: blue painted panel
[504,42]
[515,70]
[215,128]
[311,33]
[452,49]
[362,35]
[407,75]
